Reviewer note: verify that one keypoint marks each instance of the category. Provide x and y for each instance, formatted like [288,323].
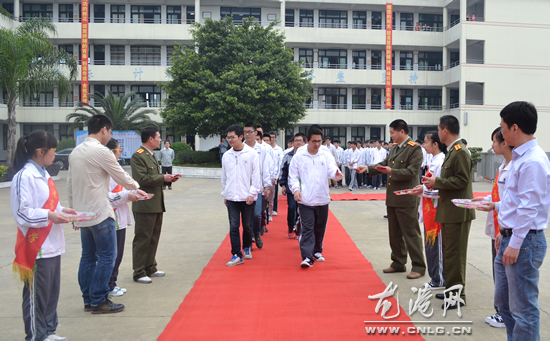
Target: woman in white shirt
[428,208]
[40,241]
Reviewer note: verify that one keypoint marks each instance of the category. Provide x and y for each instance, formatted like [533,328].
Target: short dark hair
[147,132]
[237,129]
[302,135]
[353,142]
[328,138]
[251,125]
[112,144]
[316,126]
[498,134]
[27,146]
[399,125]
[167,141]
[336,141]
[450,123]
[98,122]
[522,113]
[434,137]
[314,131]
[464,141]
[259,133]
[271,133]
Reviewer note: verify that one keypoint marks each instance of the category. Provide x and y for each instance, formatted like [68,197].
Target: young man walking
[308,175]
[240,187]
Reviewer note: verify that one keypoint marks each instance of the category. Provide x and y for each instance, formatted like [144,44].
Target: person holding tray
[428,207]
[40,241]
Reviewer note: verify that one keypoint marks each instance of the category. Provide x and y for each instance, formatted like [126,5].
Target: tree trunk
[12,120]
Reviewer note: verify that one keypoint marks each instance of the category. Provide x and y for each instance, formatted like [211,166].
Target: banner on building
[84,50]
[129,141]
[389,28]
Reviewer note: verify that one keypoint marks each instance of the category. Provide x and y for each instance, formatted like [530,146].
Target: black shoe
[440,296]
[170,188]
[108,307]
[87,308]
[452,306]
[385,217]
[259,242]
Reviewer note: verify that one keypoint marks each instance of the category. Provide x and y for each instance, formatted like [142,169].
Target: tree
[239,73]
[125,114]
[29,63]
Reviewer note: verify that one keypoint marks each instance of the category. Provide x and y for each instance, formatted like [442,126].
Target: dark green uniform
[455,182]
[147,213]
[404,230]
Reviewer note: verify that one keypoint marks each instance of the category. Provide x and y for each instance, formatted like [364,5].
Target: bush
[180,147]
[3,172]
[64,144]
[53,169]
[197,157]
[476,156]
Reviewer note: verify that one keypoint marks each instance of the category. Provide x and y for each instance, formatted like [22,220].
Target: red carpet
[271,298]
[375,196]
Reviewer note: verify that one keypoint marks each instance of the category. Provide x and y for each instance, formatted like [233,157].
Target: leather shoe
[440,296]
[414,275]
[392,270]
[452,306]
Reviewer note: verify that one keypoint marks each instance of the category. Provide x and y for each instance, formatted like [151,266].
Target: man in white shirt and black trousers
[308,175]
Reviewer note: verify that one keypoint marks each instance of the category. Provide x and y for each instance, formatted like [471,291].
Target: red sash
[117,189]
[428,212]
[27,247]
[496,198]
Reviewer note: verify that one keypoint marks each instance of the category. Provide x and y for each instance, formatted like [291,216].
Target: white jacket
[241,174]
[119,202]
[29,193]
[354,157]
[266,165]
[378,155]
[308,173]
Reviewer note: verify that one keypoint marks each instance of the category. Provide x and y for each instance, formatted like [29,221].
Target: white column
[163,55]
[369,59]
[350,60]
[415,60]
[296,54]
[350,19]
[348,135]
[107,54]
[283,16]
[463,10]
[107,13]
[369,20]
[163,14]
[396,93]
[315,58]
[416,18]
[16,9]
[91,11]
[315,18]
[91,49]
[128,13]
[198,18]
[445,17]
[368,94]
[127,55]
[55,12]
[397,21]
[349,99]
[315,98]
[415,99]
[445,57]
[444,98]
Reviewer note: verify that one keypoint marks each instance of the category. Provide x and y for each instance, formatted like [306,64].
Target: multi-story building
[442,62]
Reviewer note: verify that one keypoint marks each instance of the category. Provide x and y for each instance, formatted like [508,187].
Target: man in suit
[148,213]
[402,166]
[455,182]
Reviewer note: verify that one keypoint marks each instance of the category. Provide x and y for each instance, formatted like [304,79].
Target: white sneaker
[270,219]
[319,257]
[54,337]
[432,286]
[495,321]
[274,213]
[145,280]
[158,274]
[121,289]
[306,263]
[115,293]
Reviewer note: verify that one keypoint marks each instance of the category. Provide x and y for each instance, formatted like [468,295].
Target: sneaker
[369,186]
[259,242]
[107,307]
[170,188]
[495,321]
[274,213]
[158,273]
[54,337]
[247,253]
[360,187]
[235,260]
[291,235]
[115,293]
[87,308]
[144,280]
[306,263]
[350,189]
[319,257]
[270,219]
[163,188]
[434,286]
[121,289]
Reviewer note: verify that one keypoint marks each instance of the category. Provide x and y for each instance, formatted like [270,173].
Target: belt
[508,232]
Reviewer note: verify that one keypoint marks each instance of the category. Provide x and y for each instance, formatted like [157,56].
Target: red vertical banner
[389,27]
[84,24]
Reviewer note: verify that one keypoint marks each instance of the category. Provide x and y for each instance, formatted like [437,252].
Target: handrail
[332,66]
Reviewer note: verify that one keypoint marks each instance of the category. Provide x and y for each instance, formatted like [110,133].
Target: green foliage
[126,114]
[180,147]
[240,73]
[67,143]
[197,157]
[3,171]
[476,154]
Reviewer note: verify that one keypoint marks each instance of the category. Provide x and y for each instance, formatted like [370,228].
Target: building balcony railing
[334,106]
[332,66]
[474,102]
[453,24]
[430,68]
[453,64]
[454,105]
[475,61]
[430,107]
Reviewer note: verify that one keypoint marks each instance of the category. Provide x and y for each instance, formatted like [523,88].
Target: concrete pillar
[462,92]
[383,99]
[56,131]
[416,18]
[283,17]
[350,19]
[128,13]
[369,20]
[444,98]
[368,95]
[350,60]
[127,55]
[463,10]
[463,46]
[445,18]
[315,58]
[396,98]
[445,58]
[296,54]
[415,99]
[91,49]
[369,59]
[198,18]
[55,12]
[397,21]
[16,9]
[163,14]
[315,98]
[415,60]
[349,99]
[163,55]
[315,18]
[396,60]
[107,53]
[107,15]
[348,136]
[91,11]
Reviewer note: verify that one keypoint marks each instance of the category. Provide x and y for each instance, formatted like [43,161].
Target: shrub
[53,169]
[180,147]
[197,157]
[64,144]
[3,172]
[476,156]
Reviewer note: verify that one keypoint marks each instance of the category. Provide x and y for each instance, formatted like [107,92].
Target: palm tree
[29,63]
[126,114]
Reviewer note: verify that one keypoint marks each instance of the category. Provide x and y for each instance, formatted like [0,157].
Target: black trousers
[291,213]
[276,199]
[314,224]
[348,176]
[239,211]
[120,240]
[167,170]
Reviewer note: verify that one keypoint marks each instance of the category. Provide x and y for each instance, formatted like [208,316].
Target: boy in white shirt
[352,161]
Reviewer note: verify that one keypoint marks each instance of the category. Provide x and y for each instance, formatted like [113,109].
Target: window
[333,98]
[68,101]
[430,61]
[429,99]
[99,13]
[289,17]
[39,99]
[360,19]
[145,55]
[335,133]
[169,54]
[64,132]
[376,20]
[406,99]
[66,48]
[455,59]
[65,13]
[190,14]
[357,133]
[29,128]
[454,99]
[333,59]
[306,18]
[333,19]
[37,11]
[173,14]
[375,133]
[307,56]
[433,21]
[406,22]
[146,14]
[118,90]
[99,89]
[376,59]
[8,7]
[99,54]
[359,59]
[149,93]
[118,55]
[118,13]
[239,14]
[359,98]
[421,131]
[405,60]
[376,99]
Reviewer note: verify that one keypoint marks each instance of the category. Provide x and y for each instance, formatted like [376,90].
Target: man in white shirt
[91,167]
[340,161]
[308,182]
[378,155]
[353,162]
[346,165]
[240,187]
[278,153]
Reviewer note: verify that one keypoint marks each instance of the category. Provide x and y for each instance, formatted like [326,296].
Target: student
[279,153]
[346,165]
[523,217]
[299,140]
[308,182]
[352,161]
[378,155]
[433,245]
[339,159]
[289,146]
[240,187]
[360,162]
[40,241]
[492,228]
[119,196]
[166,158]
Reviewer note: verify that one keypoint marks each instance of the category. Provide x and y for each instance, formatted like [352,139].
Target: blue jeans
[257,216]
[99,252]
[517,288]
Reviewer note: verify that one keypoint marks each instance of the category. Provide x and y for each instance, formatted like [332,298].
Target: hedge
[67,143]
[3,172]
[179,147]
[197,157]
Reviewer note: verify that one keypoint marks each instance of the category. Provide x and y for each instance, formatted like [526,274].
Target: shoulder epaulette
[411,143]
[140,150]
[458,147]
[393,144]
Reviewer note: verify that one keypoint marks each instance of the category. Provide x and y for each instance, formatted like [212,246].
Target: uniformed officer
[148,213]
[402,166]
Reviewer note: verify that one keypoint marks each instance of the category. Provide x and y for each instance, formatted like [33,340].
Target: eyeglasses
[232,137]
[248,132]
[117,150]
[46,149]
